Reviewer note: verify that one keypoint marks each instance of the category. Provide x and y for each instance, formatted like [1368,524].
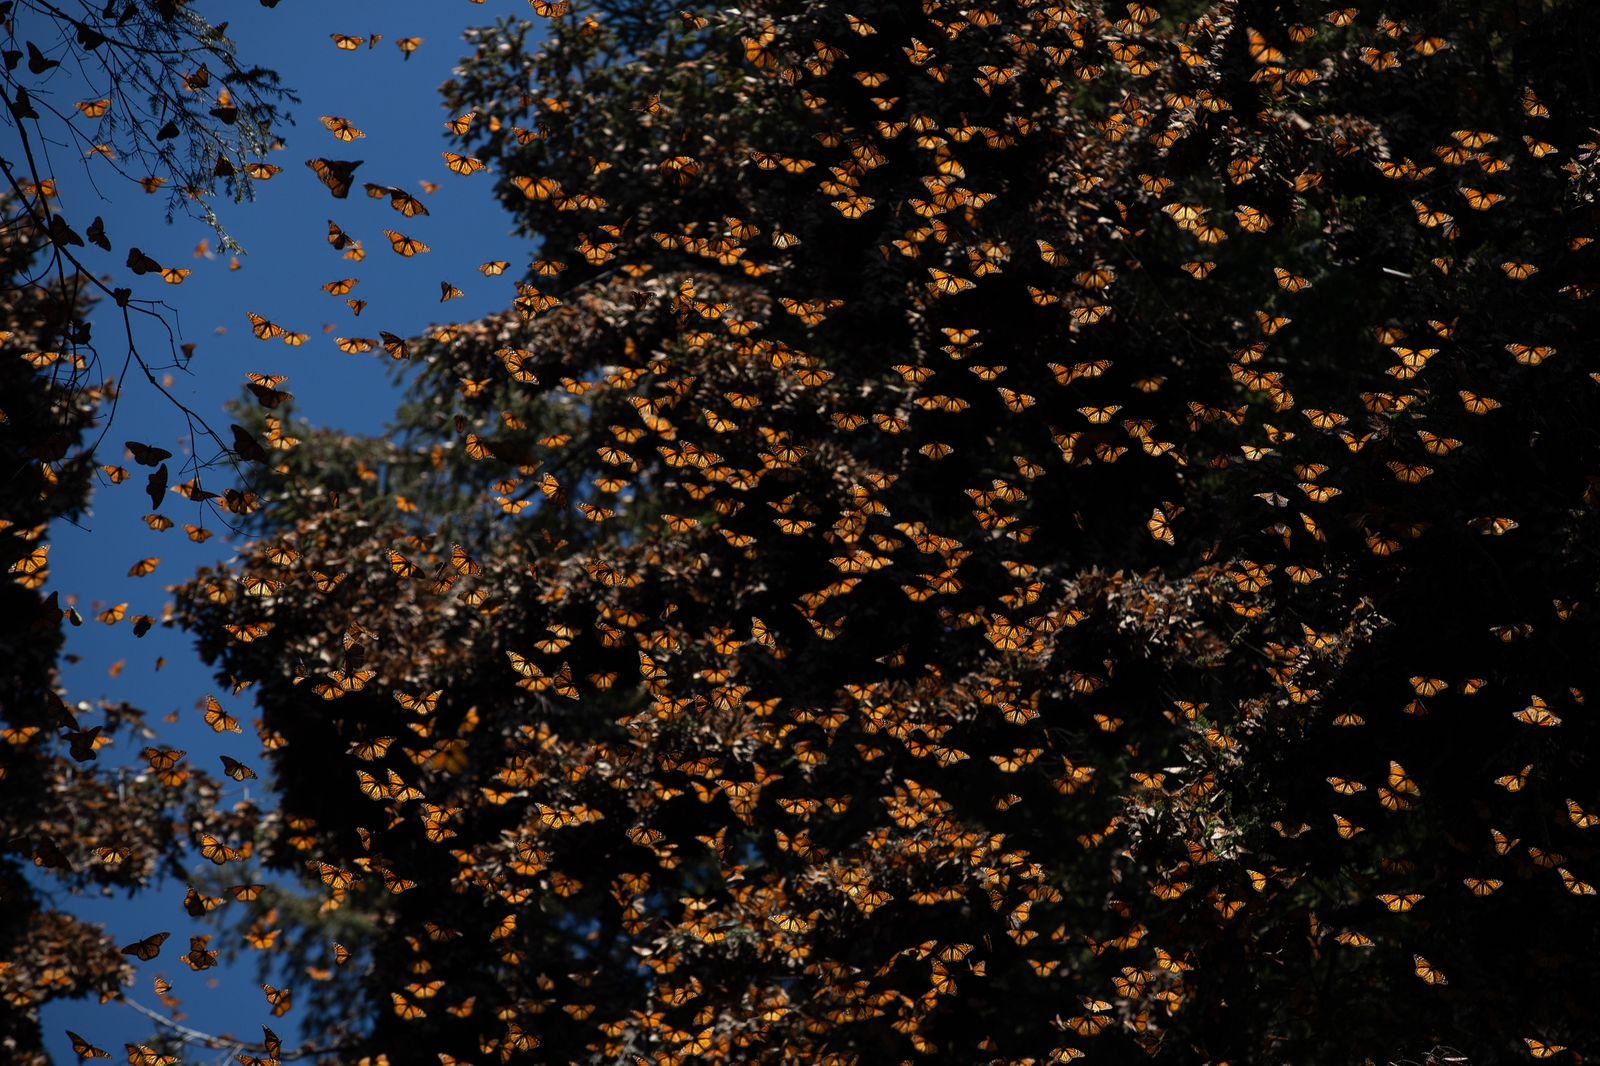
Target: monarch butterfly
[219,853]
[1089,1024]
[85,1050]
[1253,219]
[464,165]
[1160,527]
[1581,818]
[1429,686]
[1015,401]
[342,128]
[218,719]
[1493,525]
[854,207]
[371,750]
[35,563]
[1347,829]
[263,329]
[399,199]
[1400,902]
[147,948]
[406,1009]
[246,634]
[1539,1049]
[1429,973]
[1290,282]
[1530,355]
[338,238]
[403,245]
[1434,444]
[258,585]
[1537,713]
[1099,415]
[280,999]
[947,284]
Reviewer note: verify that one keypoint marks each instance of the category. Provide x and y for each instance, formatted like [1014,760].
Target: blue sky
[287,261]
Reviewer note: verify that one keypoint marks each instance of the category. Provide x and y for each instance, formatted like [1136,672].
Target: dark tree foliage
[65,822]
[156,93]
[991,533]
[159,95]
[169,102]
[46,953]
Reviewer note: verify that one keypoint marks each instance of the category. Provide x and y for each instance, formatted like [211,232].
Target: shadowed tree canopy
[158,94]
[76,824]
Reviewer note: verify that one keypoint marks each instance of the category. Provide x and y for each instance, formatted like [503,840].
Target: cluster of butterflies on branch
[1012,532]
